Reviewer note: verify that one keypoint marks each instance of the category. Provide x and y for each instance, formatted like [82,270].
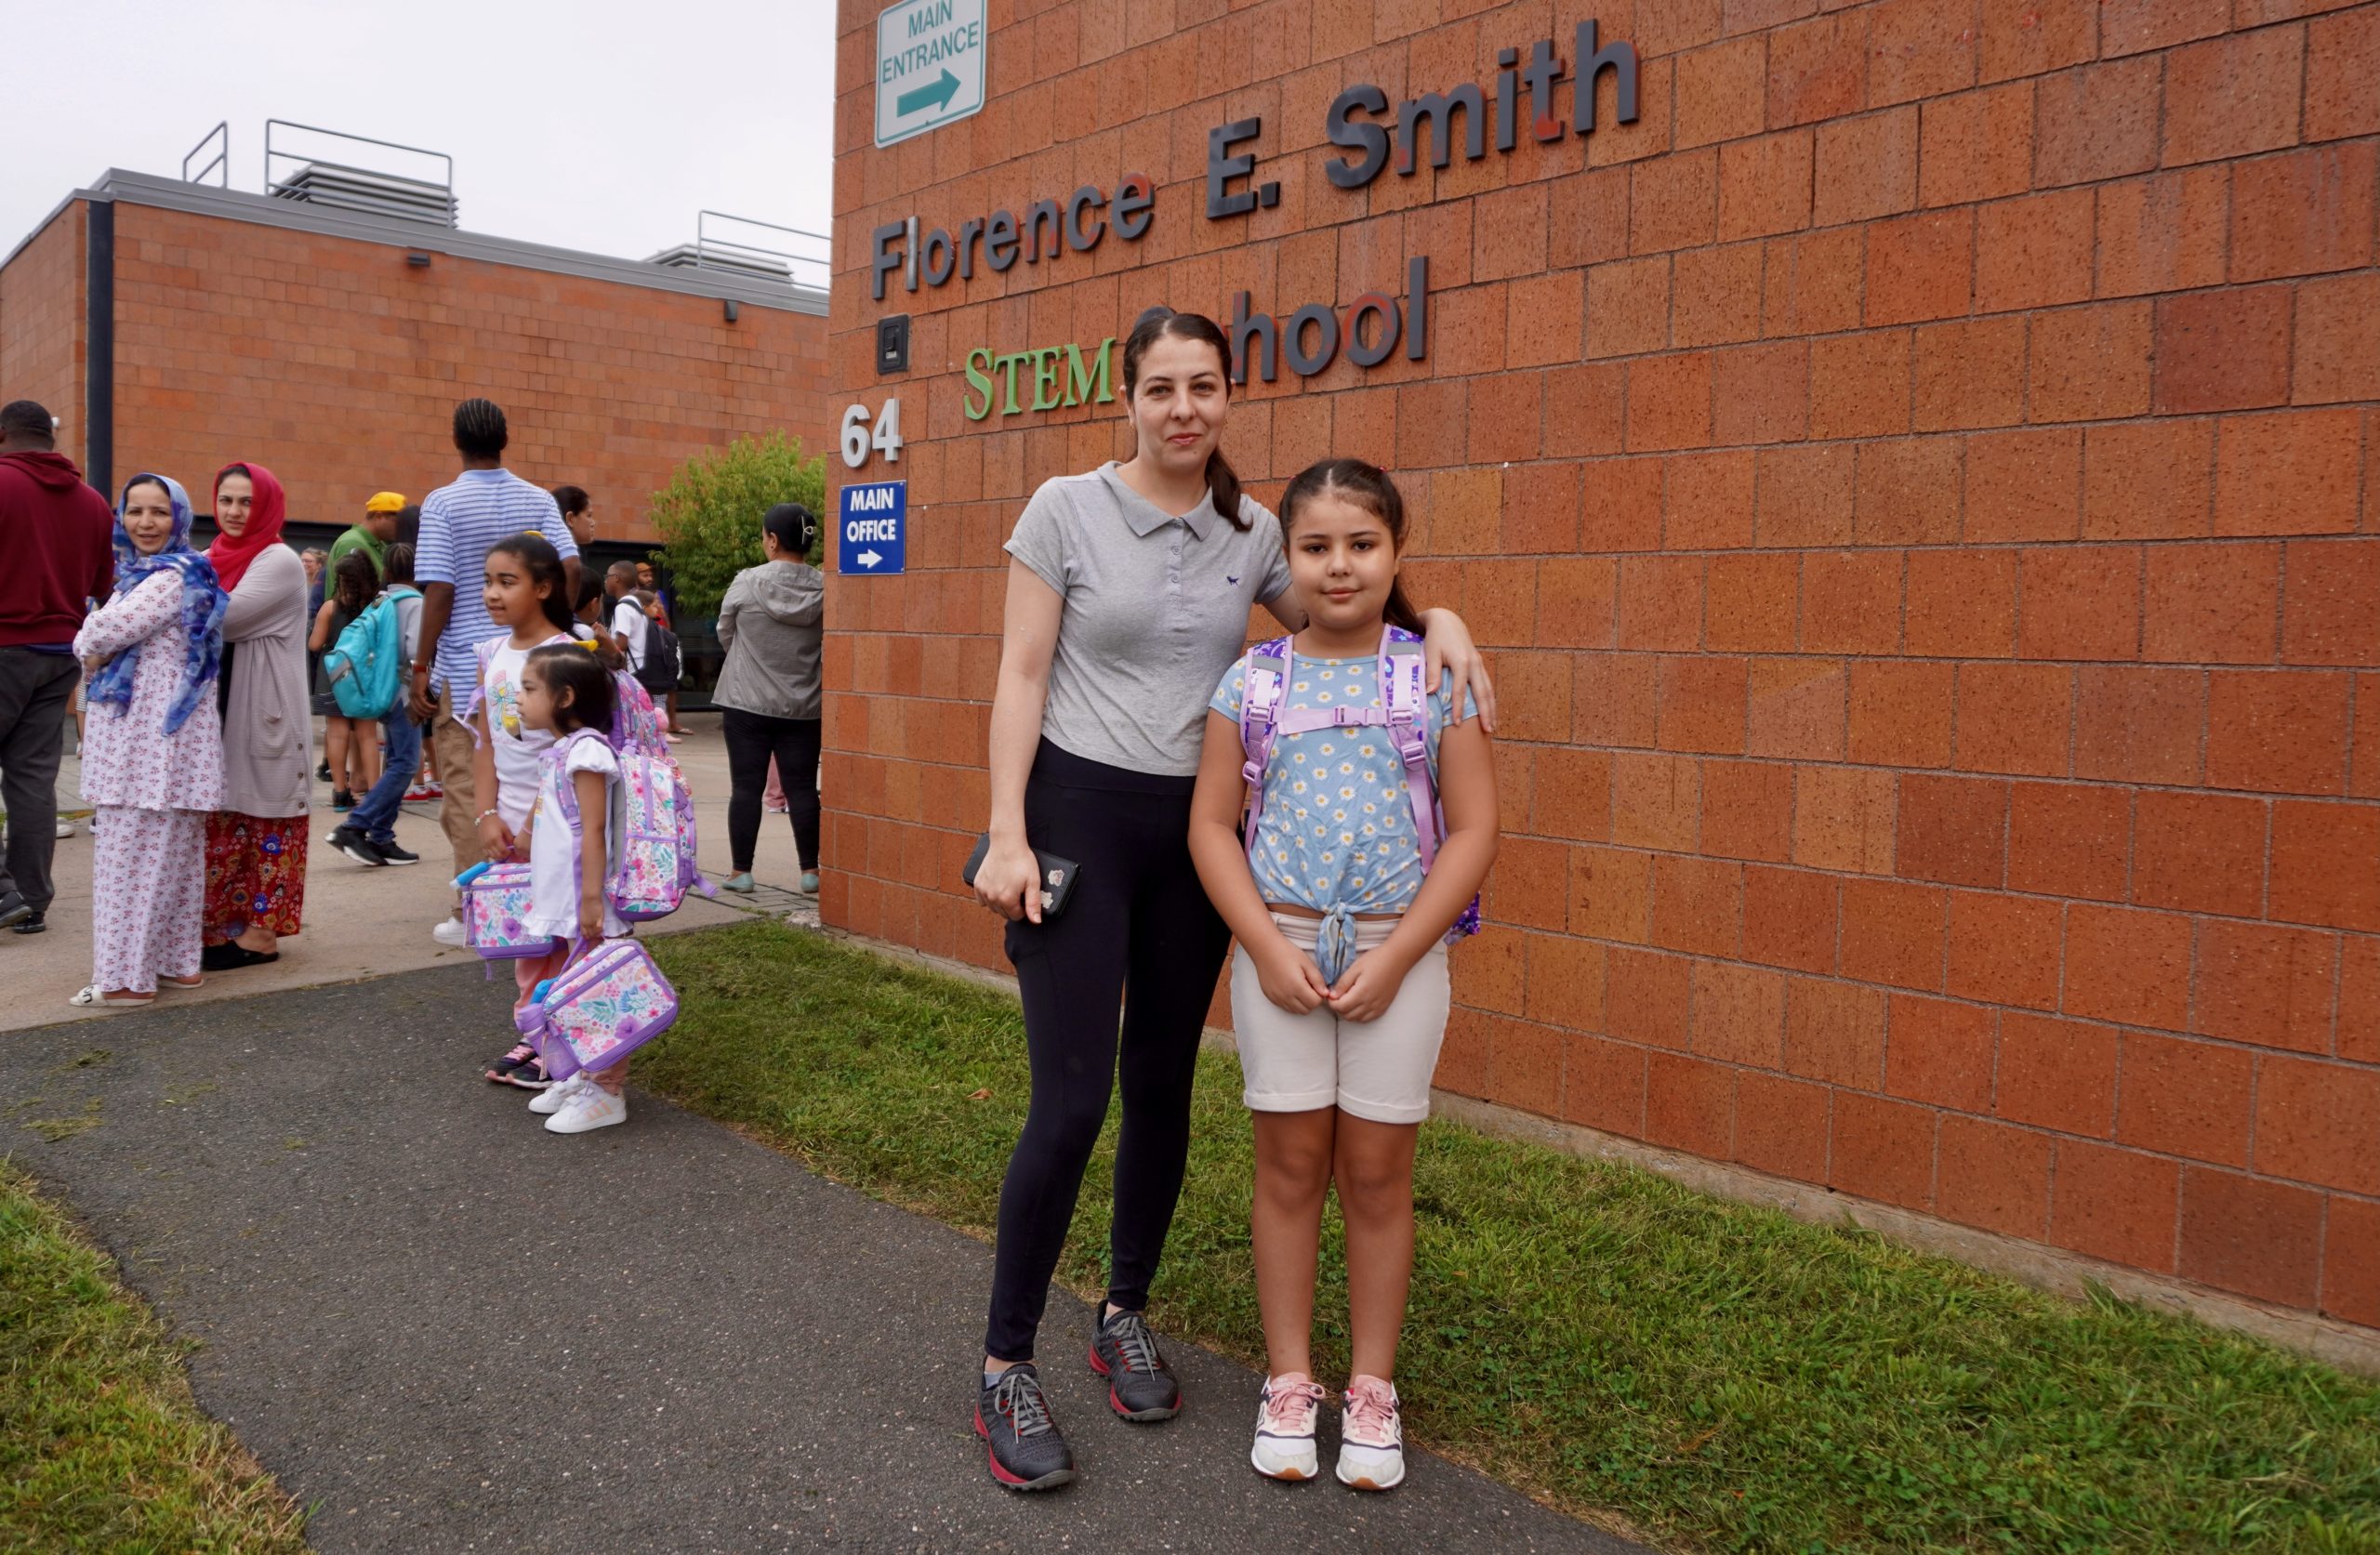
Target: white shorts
[1378,1070]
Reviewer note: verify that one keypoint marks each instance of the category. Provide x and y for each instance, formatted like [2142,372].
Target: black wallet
[1057,875]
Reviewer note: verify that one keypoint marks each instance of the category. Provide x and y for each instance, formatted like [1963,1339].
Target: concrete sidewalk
[445,1329]
[361,921]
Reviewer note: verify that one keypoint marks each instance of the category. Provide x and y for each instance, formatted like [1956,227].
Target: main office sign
[929,66]
[872,529]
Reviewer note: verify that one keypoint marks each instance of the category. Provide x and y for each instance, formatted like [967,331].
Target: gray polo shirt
[1156,608]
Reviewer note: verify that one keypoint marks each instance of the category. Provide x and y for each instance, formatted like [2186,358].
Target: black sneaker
[390,853]
[32,923]
[13,910]
[1139,1387]
[356,846]
[342,800]
[519,1067]
[322,772]
[1027,1451]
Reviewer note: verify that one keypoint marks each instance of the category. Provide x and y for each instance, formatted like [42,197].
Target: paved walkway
[361,921]
[447,1330]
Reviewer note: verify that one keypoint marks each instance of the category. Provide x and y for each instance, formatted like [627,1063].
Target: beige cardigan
[268,726]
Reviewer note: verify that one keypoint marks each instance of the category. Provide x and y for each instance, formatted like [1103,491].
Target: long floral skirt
[256,873]
[149,869]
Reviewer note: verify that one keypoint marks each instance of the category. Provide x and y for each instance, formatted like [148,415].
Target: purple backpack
[1403,710]
[596,1011]
[653,815]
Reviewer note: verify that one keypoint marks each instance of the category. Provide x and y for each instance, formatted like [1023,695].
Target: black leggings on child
[1137,934]
[752,738]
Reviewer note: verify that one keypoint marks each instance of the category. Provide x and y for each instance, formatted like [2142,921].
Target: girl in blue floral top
[1339,989]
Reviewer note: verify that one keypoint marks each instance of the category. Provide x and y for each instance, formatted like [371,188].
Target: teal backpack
[366,666]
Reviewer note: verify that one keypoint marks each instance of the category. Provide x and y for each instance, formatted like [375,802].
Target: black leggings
[752,738]
[1140,921]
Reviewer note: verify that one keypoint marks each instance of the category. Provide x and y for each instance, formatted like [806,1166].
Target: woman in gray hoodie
[769,625]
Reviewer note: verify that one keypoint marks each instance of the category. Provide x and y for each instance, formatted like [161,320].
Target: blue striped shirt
[459,523]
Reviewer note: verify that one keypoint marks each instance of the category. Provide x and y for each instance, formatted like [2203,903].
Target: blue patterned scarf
[203,603]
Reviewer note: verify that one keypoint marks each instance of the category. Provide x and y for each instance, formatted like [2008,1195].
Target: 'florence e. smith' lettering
[1082,219]
[1431,116]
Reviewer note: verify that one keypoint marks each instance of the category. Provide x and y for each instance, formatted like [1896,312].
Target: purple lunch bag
[607,1003]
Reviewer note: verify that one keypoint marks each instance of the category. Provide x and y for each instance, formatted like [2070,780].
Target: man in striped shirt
[458,523]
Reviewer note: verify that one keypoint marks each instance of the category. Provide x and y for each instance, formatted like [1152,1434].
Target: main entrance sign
[929,66]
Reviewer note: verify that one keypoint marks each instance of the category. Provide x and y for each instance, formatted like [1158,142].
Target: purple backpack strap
[1264,677]
[1406,694]
[1405,690]
[559,755]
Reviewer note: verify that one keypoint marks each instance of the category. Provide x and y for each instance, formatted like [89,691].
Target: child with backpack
[526,590]
[1371,821]
[348,748]
[367,668]
[659,663]
[572,838]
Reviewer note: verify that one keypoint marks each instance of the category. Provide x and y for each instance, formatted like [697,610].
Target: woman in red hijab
[256,844]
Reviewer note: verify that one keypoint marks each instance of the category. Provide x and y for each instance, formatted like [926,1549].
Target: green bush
[709,514]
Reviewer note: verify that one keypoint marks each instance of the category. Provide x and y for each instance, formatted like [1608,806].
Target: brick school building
[1915,464]
[177,326]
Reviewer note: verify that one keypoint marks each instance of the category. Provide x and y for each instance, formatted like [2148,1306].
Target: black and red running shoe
[1028,1452]
[1139,1384]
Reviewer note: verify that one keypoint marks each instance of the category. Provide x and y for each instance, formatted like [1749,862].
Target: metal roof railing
[730,253]
[222,162]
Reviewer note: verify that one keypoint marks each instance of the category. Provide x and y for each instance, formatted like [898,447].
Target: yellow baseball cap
[385,502]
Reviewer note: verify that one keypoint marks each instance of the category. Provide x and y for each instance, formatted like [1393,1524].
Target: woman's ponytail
[1224,482]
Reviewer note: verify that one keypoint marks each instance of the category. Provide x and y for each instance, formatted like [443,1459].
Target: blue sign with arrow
[872,529]
[929,66]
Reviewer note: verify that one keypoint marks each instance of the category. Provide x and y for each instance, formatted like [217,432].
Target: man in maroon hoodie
[56,533]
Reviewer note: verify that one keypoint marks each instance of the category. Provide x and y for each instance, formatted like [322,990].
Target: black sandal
[231,955]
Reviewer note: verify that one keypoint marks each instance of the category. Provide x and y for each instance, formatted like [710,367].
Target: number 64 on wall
[858,437]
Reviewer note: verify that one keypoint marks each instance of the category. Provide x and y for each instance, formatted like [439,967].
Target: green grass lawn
[1722,1375]
[102,1445]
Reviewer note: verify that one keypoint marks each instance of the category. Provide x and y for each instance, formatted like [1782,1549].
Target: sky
[597,124]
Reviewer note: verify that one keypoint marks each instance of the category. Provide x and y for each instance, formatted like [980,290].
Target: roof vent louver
[342,186]
[743,256]
[350,189]
[759,267]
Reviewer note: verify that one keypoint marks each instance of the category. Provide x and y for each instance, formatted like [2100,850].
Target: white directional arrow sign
[867,558]
[929,66]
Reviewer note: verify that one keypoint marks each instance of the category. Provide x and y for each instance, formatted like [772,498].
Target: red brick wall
[41,325]
[1921,485]
[334,363]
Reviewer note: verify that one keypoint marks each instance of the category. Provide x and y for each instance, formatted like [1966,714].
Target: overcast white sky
[600,125]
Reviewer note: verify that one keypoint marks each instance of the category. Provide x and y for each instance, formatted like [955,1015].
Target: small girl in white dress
[566,695]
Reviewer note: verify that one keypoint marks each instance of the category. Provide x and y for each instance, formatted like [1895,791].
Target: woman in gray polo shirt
[1129,592]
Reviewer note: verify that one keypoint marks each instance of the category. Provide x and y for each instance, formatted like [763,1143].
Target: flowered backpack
[596,1011]
[495,902]
[1403,710]
[635,723]
[652,817]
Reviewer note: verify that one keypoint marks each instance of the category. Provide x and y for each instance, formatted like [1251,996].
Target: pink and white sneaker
[1285,1415]
[590,1107]
[1371,1436]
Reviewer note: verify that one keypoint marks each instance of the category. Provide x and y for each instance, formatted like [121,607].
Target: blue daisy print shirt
[1338,824]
